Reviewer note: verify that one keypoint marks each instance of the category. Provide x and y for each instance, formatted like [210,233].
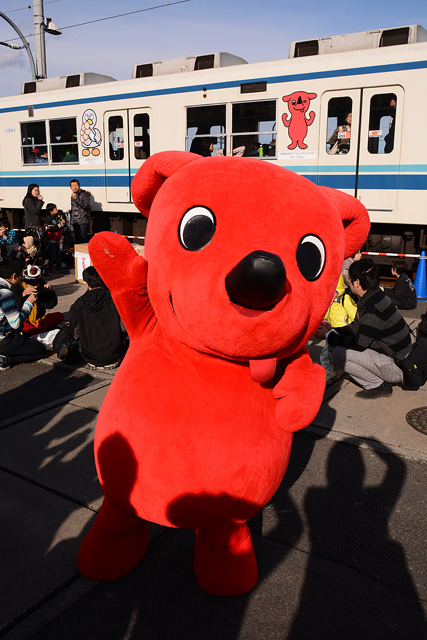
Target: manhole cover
[417,419]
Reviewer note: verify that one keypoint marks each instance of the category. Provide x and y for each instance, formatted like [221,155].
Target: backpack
[414,366]
[66,347]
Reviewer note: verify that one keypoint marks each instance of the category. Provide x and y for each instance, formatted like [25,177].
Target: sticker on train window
[376,134]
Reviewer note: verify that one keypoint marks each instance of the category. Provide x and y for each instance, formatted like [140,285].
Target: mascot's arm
[310,120]
[125,274]
[299,392]
[286,122]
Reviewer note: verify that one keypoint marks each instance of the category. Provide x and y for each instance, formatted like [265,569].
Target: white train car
[285,112]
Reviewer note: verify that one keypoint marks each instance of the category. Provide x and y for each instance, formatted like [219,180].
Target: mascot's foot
[224,561]
[114,546]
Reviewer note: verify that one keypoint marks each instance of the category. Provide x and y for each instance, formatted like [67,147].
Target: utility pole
[39,28]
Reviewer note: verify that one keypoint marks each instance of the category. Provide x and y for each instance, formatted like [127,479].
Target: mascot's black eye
[196,228]
[311,257]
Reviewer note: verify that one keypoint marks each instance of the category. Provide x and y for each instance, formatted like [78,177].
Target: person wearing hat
[39,320]
[14,345]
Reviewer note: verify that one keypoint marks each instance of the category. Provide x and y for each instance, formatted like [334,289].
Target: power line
[27,7]
[120,15]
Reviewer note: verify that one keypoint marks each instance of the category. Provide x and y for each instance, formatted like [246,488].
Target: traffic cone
[420,281]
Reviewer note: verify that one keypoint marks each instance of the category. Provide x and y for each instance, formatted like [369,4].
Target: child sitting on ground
[28,248]
[39,321]
[403,294]
[8,239]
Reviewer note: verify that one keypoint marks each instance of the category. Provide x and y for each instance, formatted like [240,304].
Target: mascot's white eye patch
[311,256]
[197,228]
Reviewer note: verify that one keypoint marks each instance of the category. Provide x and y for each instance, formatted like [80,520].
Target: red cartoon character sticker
[297,124]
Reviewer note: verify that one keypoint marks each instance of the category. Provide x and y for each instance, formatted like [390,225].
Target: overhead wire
[28,7]
[120,15]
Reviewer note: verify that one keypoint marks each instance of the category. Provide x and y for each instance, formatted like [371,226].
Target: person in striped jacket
[367,348]
[14,345]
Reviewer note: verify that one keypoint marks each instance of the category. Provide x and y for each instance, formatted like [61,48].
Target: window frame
[31,146]
[63,144]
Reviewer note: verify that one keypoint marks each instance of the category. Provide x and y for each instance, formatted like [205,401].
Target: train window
[116,137]
[206,130]
[338,134]
[254,128]
[63,140]
[382,118]
[33,142]
[141,132]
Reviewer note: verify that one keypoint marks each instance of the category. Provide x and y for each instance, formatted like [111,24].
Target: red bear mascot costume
[241,263]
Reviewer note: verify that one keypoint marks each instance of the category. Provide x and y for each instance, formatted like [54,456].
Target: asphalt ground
[27,387]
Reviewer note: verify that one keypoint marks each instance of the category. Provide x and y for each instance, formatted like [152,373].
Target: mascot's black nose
[258,281]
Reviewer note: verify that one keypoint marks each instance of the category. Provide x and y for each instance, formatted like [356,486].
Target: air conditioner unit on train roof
[358,41]
[65,82]
[183,65]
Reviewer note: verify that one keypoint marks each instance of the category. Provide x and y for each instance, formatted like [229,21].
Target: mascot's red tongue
[263,370]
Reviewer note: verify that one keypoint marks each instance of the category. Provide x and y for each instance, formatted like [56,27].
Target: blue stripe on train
[340,181]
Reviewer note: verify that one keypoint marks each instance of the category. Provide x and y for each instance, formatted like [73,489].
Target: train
[293,113]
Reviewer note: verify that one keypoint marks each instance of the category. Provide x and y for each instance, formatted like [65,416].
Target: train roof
[358,41]
[345,44]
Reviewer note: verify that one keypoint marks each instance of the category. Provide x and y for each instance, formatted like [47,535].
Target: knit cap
[32,275]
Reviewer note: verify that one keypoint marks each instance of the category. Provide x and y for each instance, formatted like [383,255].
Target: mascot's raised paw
[241,263]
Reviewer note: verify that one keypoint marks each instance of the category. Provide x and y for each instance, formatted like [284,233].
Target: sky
[254,30]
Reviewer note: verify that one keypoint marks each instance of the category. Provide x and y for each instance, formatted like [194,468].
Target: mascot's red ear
[154,172]
[355,219]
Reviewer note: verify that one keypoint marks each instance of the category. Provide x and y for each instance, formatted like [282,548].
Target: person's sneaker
[385,389]
[113,365]
[106,367]
[4,363]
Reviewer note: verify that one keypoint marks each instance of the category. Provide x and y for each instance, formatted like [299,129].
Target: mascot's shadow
[357,583]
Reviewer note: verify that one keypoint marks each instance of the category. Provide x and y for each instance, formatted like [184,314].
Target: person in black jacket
[80,211]
[33,203]
[403,294]
[95,321]
[366,349]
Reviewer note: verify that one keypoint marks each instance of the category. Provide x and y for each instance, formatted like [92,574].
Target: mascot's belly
[178,425]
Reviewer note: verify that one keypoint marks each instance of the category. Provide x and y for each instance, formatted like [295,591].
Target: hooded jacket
[95,321]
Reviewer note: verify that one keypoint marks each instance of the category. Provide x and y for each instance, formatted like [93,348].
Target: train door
[117,167]
[127,142]
[379,154]
[338,139]
[139,138]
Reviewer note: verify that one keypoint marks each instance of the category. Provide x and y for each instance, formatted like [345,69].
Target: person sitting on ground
[14,345]
[94,320]
[8,238]
[342,310]
[346,266]
[403,294]
[28,249]
[39,320]
[366,348]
